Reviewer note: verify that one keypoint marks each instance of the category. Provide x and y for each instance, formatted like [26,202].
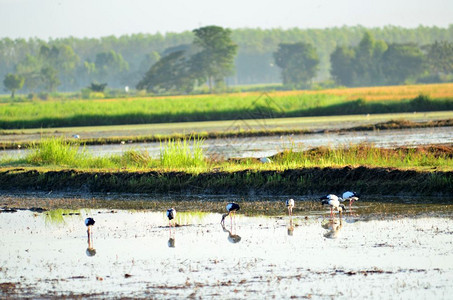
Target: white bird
[171,214]
[232,208]
[290,205]
[76,136]
[265,160]
[351,197]
[334,202]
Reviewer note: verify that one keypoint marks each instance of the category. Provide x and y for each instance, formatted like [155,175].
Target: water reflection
[90,250]
[334,227]
[171,242]
[290,227]
[232,237]
[171,239]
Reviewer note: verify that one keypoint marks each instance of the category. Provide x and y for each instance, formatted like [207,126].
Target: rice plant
[182,153]
[57,151]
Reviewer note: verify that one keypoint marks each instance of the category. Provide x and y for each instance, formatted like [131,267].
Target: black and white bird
[334,202]
[89,222]
[171,214]
[351,197]
[231,208]
[290,206]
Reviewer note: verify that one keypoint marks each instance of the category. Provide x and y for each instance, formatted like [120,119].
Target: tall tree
[49,78]
[367,57]
[13,82]
[109,65]
[217,53]
[298,61]
[342,65]
[402,62]
[440,57]
[171,73]
[30,69]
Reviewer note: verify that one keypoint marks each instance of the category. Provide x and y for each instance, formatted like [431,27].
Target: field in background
[252,105]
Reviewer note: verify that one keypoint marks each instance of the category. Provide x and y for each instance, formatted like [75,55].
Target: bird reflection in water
[232,237]
[89,222]
[334,227]
[171,214]
[290,206]
[290,226]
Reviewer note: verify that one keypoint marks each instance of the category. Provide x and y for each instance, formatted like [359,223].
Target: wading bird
[334,202]
[232,208]
[351,197]
[290,205]
[89,222]
[265,160]
[171,214]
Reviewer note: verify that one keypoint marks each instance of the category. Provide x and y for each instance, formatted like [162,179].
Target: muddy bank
[307,181]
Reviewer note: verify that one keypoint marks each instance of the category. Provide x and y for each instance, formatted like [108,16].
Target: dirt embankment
[372,181]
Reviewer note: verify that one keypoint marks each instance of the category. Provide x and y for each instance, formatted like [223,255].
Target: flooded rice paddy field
[381,249]
[270,145]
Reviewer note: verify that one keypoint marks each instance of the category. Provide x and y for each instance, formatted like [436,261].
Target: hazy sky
[95,18]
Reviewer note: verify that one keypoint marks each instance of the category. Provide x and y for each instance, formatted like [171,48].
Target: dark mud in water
[308,181]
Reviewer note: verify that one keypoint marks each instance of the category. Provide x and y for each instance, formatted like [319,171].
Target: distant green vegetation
[68,113]
[123,60]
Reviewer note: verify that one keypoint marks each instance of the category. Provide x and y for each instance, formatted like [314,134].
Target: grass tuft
[182,153]
[56,151]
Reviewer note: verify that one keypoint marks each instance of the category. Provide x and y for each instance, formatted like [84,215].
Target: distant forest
[122,61]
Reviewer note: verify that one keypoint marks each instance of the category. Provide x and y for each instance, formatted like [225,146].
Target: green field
[213,129]
[70,113]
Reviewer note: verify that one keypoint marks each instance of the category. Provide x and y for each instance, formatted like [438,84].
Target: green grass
[175,154]
[182,153]
[187,155]
[61,113]
[364,155]
[57,151]
[319,170]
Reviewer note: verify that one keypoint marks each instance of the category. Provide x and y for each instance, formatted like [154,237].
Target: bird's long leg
[350,207]
[331,212]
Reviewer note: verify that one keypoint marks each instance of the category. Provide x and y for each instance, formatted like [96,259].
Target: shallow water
[374,253]
[268,146]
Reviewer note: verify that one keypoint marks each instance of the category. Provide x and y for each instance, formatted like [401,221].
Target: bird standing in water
[334,202]
[290,205]
[171,214]
[232,208]
[89,222]
[351,197]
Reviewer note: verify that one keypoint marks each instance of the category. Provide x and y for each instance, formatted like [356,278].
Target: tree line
[70,64]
